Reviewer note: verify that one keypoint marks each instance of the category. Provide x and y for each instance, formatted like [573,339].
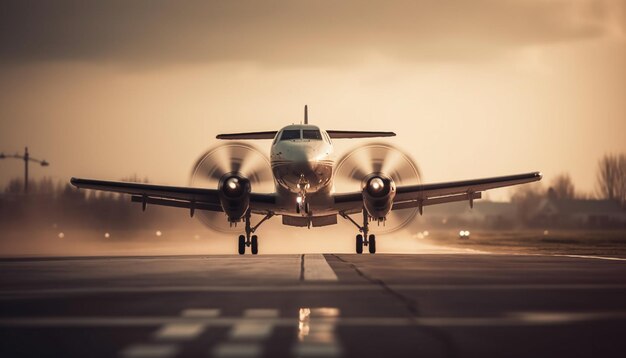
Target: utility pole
[26,158]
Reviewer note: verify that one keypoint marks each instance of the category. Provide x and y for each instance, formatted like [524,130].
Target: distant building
[579,213]
[549,212]
[485,214]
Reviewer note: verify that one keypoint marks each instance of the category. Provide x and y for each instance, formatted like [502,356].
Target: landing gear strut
[362,239]
[250,240]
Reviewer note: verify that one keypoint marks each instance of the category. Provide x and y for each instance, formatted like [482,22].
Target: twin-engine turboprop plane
[303,170]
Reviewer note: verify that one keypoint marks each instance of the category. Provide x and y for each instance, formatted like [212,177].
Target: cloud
[154,32]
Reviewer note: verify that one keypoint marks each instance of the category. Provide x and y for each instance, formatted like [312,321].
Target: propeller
[233,158]
[353,168]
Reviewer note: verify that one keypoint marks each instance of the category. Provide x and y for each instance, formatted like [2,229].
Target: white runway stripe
[317,269]
[251,331]
[317,350]
[201,312]
[260,313]
[513,319]
[179,331]
[592,257]
[608,258]
[150,351]
[240,350]
[247,334]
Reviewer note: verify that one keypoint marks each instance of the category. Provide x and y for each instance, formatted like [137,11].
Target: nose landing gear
[250,240]
[302,205]
[363,239]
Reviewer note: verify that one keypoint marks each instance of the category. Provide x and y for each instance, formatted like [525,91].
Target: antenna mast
[306,114]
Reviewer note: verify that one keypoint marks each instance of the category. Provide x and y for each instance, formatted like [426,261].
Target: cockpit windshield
[290,134]
[311,134]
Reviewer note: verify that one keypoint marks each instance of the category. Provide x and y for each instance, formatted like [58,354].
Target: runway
[435,305]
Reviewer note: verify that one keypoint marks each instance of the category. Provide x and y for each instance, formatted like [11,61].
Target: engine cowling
[234,194]
[378,193]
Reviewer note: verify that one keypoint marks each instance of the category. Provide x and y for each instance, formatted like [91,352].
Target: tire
[359,244]
[372,245]
[242,244]
[255,245]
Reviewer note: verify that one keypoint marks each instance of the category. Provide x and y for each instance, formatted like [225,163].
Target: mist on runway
[199,240]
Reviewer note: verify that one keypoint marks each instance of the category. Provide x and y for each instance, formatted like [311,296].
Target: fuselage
[302,160]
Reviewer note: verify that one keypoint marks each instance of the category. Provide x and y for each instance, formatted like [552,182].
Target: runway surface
[438,305]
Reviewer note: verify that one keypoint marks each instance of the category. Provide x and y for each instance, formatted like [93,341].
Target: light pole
[26,158]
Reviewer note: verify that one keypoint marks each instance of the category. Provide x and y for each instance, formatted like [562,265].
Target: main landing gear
[370,242]
[363,239]
[249,240]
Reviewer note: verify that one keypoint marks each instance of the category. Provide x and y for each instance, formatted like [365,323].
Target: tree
[612,177]
[563,187]
[527,198]
[15,186]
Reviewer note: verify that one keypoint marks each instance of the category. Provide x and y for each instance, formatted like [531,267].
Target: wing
[180,197]
[332,133]
[248,135]
[418,196]
[358,134]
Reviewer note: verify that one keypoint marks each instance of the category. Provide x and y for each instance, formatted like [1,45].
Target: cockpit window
[311,134]
[290,134]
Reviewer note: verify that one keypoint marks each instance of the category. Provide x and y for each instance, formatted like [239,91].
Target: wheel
[359,244]
[242,244]
[255,245]
[372,245]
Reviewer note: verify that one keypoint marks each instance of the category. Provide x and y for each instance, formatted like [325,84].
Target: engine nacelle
[378,193]
[234,194]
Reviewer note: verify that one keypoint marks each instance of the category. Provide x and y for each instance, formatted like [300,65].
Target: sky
[111,89]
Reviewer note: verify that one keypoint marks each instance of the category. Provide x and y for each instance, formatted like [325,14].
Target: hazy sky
[473,88]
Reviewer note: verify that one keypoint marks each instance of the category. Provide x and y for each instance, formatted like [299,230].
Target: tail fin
[306,114]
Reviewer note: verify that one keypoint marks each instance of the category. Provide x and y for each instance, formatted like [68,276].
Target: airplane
[304,168]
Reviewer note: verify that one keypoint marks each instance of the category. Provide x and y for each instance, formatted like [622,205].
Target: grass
[566,242]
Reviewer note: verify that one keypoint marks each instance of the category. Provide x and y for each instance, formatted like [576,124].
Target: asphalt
[437,305]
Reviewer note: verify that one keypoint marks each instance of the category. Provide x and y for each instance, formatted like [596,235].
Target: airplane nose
[302,163]
[305,159]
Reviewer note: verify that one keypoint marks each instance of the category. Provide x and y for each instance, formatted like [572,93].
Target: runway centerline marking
[316,268]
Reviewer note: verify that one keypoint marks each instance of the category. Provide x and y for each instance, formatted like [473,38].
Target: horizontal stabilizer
[248,135]
[359,134]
